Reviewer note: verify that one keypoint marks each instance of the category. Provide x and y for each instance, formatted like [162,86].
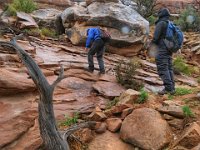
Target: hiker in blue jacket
[95,45]
[164,56]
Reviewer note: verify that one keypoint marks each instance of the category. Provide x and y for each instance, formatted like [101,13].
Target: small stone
[114,124]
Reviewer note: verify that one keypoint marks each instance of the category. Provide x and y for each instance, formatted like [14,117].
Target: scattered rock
[172,109]
[26,20]
[126,112]
[176,124]
[146,129]
[128,97]
[97,115]
[119,108]
[86,135]
[114,124]
[100,127]
[190,137]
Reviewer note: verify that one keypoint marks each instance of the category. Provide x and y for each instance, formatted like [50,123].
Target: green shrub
[143,96]
[187,111]
[124,73]
[170,97]
[189,20]
[112,103]
[49,32]
[70,120]
[33,32]
[182,91]
[180,66]
[26,6]
[151,19]
[11,10]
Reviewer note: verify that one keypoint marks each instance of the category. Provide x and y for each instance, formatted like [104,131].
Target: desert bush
[143,96]
[70,120]
[124,73]
[33,32]
[182,91]
[48,32]
[189,20]
[187,111]
[112,103]
[26,6]
[151,19]
[180,66]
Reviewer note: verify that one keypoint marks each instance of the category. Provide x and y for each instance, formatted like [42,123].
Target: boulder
[46,17]
[127,28]
[146,129]
[108,89]
[100,127]
[126,112]
[114,124]
[128,97]
[172,109]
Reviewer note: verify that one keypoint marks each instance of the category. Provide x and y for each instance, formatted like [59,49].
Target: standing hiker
[95,45]
[163,56]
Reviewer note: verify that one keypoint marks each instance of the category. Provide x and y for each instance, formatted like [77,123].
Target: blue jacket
[92,35]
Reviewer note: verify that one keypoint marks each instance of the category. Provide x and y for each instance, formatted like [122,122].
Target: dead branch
[74,128]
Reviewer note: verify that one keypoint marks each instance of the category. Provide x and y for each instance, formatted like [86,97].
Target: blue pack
[174,37]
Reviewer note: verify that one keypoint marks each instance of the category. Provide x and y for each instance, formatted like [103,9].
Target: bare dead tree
[51,137]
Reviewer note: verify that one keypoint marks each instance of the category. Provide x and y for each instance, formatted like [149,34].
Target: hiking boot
[163,92]
[101,72]
[89,70]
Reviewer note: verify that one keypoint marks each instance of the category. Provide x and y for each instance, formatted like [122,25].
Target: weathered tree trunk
[51,137]
[48,130]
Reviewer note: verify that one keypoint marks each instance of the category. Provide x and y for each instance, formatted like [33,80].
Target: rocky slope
[159,121]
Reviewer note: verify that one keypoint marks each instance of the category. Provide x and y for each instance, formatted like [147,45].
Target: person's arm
[89,38]
[158,32]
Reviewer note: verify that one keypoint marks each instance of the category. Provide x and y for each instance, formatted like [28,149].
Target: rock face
[14,82]
[46,16]
[108,89]
[125,25]
[146,129]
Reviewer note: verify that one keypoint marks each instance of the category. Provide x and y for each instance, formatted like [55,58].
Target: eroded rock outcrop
[125,25]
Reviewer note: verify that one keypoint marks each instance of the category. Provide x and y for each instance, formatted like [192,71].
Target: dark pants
[98,49]
[165,71]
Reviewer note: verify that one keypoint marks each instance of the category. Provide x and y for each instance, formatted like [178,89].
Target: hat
[163,12]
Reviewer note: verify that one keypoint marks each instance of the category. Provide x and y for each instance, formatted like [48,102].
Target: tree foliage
[146,7]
